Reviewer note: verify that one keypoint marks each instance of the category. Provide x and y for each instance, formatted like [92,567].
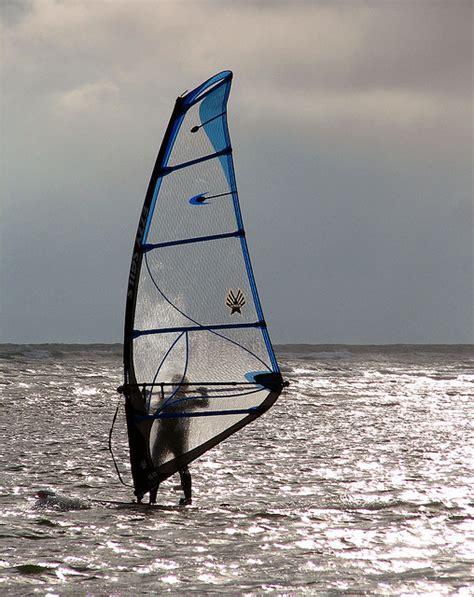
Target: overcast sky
[352,131]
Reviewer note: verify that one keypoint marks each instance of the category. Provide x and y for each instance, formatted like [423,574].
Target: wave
[46,351]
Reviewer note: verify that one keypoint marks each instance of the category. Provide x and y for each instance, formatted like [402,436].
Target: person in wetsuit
[173,433]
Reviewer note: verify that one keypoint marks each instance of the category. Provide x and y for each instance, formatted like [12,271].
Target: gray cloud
[13,11]
[352,130]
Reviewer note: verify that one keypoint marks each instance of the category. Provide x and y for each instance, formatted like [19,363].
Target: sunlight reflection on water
[358,480]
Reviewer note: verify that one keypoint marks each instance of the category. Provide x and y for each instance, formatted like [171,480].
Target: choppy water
[358,481]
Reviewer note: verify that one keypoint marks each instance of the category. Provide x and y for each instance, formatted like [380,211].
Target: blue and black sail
[198,360]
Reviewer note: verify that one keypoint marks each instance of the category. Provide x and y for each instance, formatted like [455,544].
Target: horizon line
[276,344]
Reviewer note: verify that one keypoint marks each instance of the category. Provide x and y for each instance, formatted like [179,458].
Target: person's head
[180,381]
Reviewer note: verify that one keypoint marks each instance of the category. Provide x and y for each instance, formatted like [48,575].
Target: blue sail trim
[199,328]
[196,95]
[215,128]
[198,239]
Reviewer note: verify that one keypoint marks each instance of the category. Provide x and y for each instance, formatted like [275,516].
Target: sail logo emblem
[235,302]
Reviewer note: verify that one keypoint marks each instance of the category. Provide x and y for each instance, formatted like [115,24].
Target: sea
[358,481]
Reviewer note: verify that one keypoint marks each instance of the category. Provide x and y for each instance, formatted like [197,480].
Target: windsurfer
[173,432]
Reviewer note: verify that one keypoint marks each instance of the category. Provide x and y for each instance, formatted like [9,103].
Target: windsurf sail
[198,361]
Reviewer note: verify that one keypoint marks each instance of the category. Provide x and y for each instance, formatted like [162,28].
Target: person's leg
[185,477]
[153,493]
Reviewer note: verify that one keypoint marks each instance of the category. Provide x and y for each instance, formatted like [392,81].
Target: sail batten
[169,169]
[184,241]
[193,312]
[200,328]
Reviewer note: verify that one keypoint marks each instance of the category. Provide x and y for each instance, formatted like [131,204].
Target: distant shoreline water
[406,352]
